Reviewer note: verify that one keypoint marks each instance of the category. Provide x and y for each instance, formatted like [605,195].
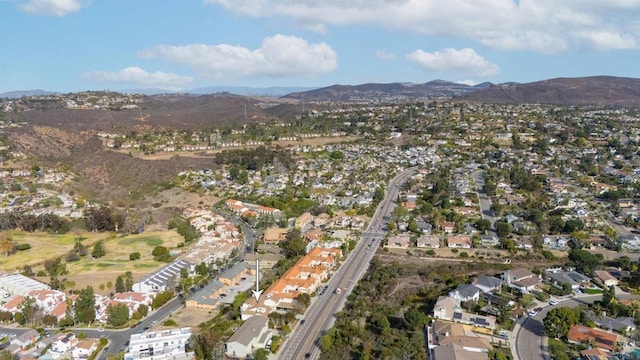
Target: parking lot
[230,292]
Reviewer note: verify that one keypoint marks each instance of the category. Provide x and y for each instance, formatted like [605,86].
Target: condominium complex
[157,345]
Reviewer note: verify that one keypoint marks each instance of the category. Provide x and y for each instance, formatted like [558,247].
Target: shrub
[170,322]
[464,255]
[134,256]
[454,250]
[22,247]
[431,252]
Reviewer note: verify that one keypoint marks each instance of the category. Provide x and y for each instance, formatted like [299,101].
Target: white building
[18,284]
[157,345]
[160,279]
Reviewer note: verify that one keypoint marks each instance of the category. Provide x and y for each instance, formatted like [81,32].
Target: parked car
[553,302]
[533,313]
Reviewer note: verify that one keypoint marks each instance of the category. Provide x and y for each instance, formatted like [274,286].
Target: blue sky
[75,45]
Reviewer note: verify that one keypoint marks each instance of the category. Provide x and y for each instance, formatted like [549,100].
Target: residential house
[456,352]
[461,242]
[558,278]
[236,273]
[487,283]
[579,334]
[84,349]
[253,334]
[13,305]
[26,339]
[621,325]
[521,279]
[428,241]
[466,292]
[445,307]
[64,343]
[399,241]
[446,333]
[449,227]
[605,278]
[207,298]
[303,220]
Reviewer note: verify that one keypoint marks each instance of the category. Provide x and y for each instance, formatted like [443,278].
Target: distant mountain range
[595,90]
[386,92]
[273,91]
[20,93]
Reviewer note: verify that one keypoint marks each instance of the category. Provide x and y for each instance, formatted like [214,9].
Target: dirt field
[192,317]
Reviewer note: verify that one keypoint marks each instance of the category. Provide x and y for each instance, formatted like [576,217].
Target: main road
[303,341]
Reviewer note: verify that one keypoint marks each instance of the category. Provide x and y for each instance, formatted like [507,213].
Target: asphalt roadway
[303,341]
[530,342]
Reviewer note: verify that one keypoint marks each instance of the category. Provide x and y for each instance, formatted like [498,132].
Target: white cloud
[462,62]
[134,75]
[548,26]
[384,55]
[606,40]
[278,56]
[52,7]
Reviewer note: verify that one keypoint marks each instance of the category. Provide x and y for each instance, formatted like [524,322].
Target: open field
[89,271]
[116,261]
[43,246]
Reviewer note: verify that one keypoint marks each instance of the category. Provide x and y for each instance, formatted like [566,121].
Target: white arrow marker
[257,292]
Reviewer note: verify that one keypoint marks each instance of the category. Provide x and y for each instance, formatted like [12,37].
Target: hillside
[174,111]
[385,92]
[596,90]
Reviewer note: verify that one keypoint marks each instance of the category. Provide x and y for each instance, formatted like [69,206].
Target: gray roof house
[251,335]
[573,278]
[487,283]
[619,325]
[521,278]
[428,241]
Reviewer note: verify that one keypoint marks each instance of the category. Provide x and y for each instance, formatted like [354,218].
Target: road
[483,199]
[531,343]
[118,338]
[321,313]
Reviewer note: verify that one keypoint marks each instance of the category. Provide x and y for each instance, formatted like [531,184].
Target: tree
[117,315]
[98,250]
[50,320]
[415,319]
[584,260]
[608,296]
[483,225]
[143,310]
[6,355]
[294,244]
[304,300]
[503,229]
[526,300]
[559,320]
[120,284]
[85,306]
[6,243]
